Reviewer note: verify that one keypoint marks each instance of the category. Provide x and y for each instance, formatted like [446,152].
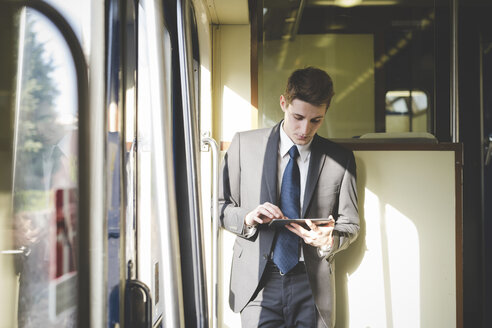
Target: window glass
[44,170]
[406,111]
[369,48]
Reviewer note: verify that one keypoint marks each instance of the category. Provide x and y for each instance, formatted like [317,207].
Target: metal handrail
[215,226]
[23,250]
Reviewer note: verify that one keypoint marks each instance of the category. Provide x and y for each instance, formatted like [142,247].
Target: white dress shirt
[302,161]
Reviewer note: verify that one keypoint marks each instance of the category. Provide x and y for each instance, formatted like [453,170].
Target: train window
[42,158]
[406,111]
[371,49]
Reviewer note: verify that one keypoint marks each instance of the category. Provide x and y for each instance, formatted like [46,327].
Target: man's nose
[305,127]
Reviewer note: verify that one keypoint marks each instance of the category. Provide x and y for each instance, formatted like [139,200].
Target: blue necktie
[286,251]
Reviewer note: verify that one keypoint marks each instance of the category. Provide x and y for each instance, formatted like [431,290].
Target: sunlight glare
[236,114]
[369,311]
[404,268]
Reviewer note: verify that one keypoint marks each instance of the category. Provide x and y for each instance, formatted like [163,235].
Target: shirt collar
[286,143]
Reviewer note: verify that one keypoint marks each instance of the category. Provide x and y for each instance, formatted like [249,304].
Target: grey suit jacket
[249,178]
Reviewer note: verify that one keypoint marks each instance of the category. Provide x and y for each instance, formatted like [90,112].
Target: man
[284,277]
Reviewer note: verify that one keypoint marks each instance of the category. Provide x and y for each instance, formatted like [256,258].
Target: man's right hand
[264,213]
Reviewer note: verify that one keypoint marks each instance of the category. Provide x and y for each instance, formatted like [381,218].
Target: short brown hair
[311,85]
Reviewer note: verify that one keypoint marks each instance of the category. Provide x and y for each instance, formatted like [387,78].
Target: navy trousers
[283,301]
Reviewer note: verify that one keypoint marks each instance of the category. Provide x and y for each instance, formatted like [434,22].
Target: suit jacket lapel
[269,174]
[315,166]
[268,191]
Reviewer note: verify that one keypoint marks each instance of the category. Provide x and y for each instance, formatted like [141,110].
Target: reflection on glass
[406,111]
[149,139]
[45,175]
[367,48]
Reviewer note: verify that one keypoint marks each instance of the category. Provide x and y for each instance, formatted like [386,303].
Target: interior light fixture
[352,3]
[347,3]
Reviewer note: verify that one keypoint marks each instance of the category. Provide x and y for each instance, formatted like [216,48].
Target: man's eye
[299,118]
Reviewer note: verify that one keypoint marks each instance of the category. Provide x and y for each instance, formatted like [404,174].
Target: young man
[283,276]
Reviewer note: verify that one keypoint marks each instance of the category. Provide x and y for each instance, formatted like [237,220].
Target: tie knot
[293,152]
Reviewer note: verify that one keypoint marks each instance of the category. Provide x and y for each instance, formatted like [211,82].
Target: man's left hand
[318,236]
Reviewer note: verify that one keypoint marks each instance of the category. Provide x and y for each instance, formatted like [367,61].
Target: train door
[164,269]
[162,266]
[154,209]
[53,144]
[43,92]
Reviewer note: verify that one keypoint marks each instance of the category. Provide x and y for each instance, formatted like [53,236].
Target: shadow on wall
[349,260]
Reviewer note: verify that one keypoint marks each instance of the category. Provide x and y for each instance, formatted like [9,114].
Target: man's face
[301,119]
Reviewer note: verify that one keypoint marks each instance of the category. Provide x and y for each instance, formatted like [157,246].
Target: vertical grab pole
[215,226]
[455,119]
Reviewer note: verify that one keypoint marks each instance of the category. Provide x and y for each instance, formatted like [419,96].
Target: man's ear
[283,103]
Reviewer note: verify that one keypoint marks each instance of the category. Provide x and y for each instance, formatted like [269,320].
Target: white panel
[401,272]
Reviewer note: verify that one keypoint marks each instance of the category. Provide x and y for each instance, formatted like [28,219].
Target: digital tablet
[281,222]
